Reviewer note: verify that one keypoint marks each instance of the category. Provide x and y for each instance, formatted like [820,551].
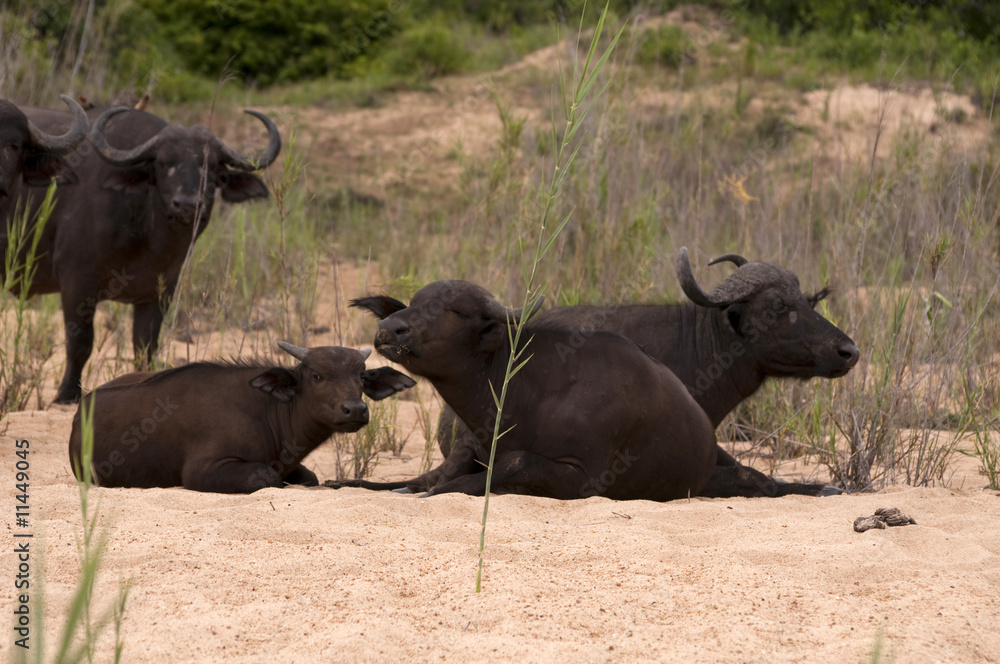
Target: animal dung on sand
[884,516]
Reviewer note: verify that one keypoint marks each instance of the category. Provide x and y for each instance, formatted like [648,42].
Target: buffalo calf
[229,427]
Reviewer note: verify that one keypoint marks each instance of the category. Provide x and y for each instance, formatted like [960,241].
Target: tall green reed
[576,106]
[27,344]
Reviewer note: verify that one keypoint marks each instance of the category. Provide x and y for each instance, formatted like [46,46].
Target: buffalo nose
[849,353]
[355,410]
[394,327]
[184,203]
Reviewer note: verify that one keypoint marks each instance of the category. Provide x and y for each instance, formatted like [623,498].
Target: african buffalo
[228,427]
[145,192]
[606,420]
[29,156]
[754,325]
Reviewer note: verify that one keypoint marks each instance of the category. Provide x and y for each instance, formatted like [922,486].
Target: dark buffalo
[30,156]
[754,325]
[145,192]
[606,420]
[229,428]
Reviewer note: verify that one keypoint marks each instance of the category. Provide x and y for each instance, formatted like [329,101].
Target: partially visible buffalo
[145,191]
[231,427]
[606,420]
[30,156]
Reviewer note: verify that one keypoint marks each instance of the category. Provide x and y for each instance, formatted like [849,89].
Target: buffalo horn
[365,353]
[297,352]
[735,259]
[748,279]
[514,314]
[688,283]
[114,155]
[265,158]
[60,145]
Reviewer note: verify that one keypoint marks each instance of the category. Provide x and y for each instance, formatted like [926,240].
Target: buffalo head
[185,165]
[446,319]
[765,308]
[29,154]
[328,383]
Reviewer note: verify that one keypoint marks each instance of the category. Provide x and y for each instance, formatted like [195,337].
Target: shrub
[273,42]
[426,50]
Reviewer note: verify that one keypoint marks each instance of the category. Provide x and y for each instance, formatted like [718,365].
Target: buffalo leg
[743,481]
[78,318]
[462,461]
[302,475]
[522,472]
[147,318]
[229,477]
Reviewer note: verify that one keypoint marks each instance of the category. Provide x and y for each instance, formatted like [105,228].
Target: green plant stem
[576,112]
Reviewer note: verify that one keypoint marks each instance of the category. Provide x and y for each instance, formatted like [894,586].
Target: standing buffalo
[145,192]
[754,325]
[29,156]
[605,420]
[228,428]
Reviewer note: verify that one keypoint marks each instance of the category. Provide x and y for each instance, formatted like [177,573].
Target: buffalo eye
[818,297]
[317,377]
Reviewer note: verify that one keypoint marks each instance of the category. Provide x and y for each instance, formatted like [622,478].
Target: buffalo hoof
[828,490]
[405,489]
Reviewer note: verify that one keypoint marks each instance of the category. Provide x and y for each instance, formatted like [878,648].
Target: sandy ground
[350,575]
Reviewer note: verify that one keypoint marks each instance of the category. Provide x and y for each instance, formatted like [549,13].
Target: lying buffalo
[606,420]
[754,325]
[230,427]
[30,156]
[145,190]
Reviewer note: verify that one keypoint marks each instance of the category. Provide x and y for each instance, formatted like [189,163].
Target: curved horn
[515,314]
[688,283]
[365,353]
[297,352]
[735,259]
[114,155]
[60,145]
[265,158]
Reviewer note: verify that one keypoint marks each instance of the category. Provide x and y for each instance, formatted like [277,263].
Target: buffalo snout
[393,338]
[355,411]
[849,353]
[183,207]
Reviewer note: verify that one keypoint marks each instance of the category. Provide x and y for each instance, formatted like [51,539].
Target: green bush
[426,50]
[271,42]
[669,46]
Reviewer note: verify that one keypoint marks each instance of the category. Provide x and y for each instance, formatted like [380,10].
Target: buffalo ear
[384,382]
[380,305]
[41,167]
[279,383]
[127,180]
[734,316]
[238,187]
